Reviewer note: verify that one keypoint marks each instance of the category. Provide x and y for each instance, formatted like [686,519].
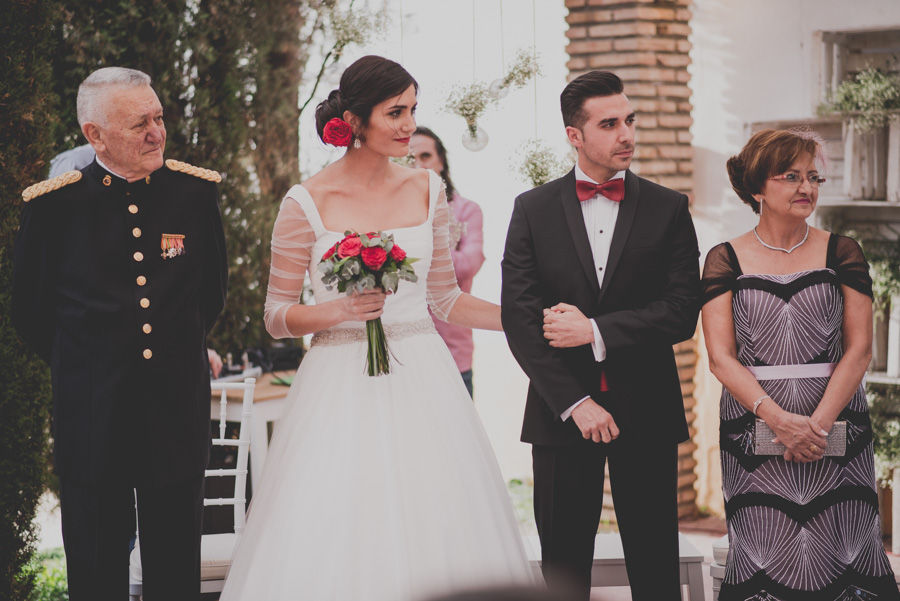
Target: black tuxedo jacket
[124,334]
[649,301]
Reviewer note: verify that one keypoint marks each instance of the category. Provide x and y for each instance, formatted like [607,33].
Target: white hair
[93,91]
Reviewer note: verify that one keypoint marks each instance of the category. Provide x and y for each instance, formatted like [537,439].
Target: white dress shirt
[600,214]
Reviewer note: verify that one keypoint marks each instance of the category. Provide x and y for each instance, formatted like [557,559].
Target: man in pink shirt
[466,243]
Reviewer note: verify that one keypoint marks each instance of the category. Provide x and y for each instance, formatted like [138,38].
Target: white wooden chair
[216,550]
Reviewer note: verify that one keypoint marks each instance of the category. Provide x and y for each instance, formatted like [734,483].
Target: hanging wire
[502,48]
[473,41]
[386,38]
[400,2]
[534,58]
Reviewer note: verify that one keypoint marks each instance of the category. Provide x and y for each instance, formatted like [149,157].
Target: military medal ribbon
[172,245]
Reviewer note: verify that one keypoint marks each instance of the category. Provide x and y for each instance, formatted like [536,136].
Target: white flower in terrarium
[475,139]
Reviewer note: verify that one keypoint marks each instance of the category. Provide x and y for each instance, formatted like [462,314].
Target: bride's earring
[356,143]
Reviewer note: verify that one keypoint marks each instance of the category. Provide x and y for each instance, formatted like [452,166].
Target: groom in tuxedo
[600,279]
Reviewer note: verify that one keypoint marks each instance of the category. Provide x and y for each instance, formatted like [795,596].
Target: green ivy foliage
[27,118]
[884,411]
[51,581]
[227,73]
[202,60]
[869,98]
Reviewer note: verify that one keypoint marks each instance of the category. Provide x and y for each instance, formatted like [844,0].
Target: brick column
[645,43]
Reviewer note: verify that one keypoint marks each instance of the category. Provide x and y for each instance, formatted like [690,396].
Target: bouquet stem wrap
[378,360]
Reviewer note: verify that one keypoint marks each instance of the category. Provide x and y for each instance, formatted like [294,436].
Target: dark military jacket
[116,286]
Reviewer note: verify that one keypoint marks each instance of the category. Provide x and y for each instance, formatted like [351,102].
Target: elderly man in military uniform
[119,274]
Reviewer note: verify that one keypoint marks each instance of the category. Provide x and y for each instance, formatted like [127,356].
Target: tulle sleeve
[720,272]
[442,290]
[847,260]
[292,241]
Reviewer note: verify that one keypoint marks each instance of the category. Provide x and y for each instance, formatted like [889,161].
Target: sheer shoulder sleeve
[442,290]
[292,241]
[720,272]
[847,260]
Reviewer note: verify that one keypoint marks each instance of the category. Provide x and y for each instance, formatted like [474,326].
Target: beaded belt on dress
[786,372]
[393,331]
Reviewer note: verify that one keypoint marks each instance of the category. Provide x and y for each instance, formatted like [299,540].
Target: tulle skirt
[378,488]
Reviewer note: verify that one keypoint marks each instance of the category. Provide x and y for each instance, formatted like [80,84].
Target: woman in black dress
[788,326]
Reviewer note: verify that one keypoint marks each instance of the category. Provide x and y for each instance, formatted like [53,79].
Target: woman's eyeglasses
[795,179]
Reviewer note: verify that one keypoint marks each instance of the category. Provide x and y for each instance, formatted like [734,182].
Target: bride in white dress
[375,488]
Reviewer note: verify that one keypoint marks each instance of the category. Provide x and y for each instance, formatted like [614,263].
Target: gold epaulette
[207,174]
[49,185]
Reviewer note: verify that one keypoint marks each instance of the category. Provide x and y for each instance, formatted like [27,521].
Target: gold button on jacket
[147,329]
[139,256]
[100,298]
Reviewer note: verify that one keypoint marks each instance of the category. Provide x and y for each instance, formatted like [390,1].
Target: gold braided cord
[207,174]
[33,191]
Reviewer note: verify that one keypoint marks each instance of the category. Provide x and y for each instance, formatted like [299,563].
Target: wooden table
[269,401]
[609,563]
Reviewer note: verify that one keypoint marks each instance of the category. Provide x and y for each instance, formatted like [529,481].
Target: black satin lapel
[575,219]
[627,210]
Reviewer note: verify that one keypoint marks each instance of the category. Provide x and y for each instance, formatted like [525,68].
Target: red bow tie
[613,189]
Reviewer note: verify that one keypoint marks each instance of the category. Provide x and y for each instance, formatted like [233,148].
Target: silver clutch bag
[763,445]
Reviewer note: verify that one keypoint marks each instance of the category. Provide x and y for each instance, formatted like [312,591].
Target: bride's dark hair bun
[367,82]
[328,109]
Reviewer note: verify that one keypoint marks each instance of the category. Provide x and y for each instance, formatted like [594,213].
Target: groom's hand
[565,326]
[595,422]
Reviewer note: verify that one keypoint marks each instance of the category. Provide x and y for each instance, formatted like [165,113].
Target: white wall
[756,61]
[751,61]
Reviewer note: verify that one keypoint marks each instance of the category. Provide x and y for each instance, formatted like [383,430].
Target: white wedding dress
[375,488]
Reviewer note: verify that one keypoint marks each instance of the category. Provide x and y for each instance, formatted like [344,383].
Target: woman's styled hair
[589,85]
[767,153]
[365,83]
[442,153]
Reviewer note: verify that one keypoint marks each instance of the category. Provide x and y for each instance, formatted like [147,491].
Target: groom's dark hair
[589,85]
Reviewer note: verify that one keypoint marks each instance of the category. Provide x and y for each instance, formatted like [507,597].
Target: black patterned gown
[797,531]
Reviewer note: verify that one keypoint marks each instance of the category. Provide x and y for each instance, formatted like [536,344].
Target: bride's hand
[361,306]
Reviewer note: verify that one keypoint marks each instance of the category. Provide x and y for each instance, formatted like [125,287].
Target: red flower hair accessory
[337,132]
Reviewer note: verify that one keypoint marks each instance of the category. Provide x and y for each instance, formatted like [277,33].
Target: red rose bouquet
[365,262]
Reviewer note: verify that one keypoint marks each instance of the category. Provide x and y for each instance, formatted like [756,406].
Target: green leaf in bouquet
[326,266]
[410,260]
[409,276]
[390,281]
[389,244]
[350,268]
[330,280]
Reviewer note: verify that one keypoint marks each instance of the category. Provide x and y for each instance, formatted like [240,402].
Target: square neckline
[428,217]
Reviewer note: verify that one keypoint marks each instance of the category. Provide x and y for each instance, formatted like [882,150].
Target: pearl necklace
[784,250]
